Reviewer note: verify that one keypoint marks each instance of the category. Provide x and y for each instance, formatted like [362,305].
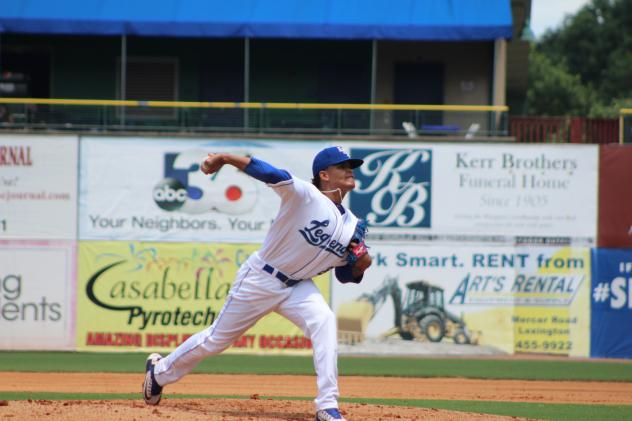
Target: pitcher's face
[339,176]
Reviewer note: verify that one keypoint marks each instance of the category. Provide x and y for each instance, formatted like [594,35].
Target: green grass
[362,366]
[357,366]
[488,369]
[544,411]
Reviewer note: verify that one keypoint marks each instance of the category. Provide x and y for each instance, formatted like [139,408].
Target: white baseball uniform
[309,236]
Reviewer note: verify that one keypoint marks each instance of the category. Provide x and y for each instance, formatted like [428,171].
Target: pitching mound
[299,387]
[216,409]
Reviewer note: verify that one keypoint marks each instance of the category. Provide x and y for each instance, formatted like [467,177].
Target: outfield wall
[122,244]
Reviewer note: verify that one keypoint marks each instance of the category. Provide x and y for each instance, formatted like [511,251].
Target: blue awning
[445,20]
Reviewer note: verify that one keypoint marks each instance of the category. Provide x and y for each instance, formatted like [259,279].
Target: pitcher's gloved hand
[360,231]
[356,252]
[357,247]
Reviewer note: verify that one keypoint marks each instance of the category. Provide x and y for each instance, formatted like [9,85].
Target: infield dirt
[257,407]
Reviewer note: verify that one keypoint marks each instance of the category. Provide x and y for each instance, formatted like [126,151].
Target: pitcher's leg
[249,300]
[307,308]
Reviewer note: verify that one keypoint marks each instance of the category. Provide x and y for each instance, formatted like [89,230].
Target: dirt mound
[258,407]
[216,409]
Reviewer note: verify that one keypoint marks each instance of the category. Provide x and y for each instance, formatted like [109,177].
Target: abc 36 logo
[186,189]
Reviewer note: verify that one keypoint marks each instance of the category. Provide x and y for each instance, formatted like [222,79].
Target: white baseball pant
[253,295]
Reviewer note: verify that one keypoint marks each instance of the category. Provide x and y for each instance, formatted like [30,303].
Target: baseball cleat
[152,391]
[330,414]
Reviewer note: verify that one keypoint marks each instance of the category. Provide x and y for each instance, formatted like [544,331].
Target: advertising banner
[506,193]
[152,296]
[484,300]
[38,187]
[611,303]
[153,190]
[615,200]
[37,283]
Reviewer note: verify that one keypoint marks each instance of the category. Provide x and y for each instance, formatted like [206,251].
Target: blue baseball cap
[333,155]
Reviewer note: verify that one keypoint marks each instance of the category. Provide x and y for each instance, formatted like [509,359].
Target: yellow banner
[562,329]
[153,296]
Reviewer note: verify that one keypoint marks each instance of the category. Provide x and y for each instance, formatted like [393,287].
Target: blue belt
[280,276]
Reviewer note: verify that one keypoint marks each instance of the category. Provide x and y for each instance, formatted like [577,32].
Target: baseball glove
[357,248]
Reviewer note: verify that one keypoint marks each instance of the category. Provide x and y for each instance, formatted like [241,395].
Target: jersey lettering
[315,235]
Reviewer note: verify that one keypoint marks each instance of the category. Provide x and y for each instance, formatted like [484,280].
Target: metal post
[499,81]
[339,118]
[373,82]
[123,75]
[247,80]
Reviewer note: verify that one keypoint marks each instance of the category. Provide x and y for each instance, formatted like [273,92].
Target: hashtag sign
[601,292]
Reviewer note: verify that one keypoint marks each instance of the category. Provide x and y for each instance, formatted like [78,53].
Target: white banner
[527,299]
[37,295]
[38,187]
[477,191]
[152,189]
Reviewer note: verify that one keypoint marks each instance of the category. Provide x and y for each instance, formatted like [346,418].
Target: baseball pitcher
[311,234]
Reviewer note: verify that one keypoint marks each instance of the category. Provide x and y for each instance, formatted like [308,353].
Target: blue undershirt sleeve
[345,274]
[265,172]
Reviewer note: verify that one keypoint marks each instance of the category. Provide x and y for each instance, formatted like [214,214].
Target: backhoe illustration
[421,315]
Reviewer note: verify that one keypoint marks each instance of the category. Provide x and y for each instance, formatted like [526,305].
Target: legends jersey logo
[186,189]
[315,235]
[393,187]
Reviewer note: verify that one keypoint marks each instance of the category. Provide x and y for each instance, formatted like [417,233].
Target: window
[150,79]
